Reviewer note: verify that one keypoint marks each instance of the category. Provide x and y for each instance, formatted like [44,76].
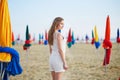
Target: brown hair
[55,23]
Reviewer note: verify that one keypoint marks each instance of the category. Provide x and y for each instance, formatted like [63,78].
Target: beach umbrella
[18,37]
[107,44]
[97,43]
[40,37]
[46,38]
[13,40]
[69,40]
[93,39]
[9,57]
[73,39]
[118,33]
[46,35]
[86,38]
[118,36]
[5,30]
[77,39]
[27,41]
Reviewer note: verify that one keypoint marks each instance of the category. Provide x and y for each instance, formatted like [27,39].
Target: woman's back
[55,42]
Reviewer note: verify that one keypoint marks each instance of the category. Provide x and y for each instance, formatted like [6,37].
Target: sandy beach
[84,61]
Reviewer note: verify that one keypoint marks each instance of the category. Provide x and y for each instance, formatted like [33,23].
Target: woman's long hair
[54,25]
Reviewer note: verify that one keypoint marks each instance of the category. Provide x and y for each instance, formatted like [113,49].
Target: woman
[57,49]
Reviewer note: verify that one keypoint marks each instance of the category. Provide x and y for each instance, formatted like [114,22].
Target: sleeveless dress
[56,63]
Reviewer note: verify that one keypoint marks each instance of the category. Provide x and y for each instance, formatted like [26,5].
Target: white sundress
[56,63]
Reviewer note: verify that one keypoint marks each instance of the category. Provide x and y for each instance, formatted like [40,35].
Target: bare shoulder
[59,36]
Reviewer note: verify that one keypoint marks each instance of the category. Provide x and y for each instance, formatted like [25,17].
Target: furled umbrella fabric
[86,38]
[118,36]
[118,33]
[18,37]
[107,44]
[73,39]
[97,43]
[69,40]
[93,39]
[5,30]
[28,41]
[10,63]
[42,36]
[13,40]
[40,39]
[13,67]
[46,38]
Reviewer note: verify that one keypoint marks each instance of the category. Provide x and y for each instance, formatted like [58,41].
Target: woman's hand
[65,66]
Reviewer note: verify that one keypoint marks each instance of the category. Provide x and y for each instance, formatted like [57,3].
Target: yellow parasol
[97,43]
[5,30]
[96,34]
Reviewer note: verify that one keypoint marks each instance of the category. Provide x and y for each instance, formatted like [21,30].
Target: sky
[79,15]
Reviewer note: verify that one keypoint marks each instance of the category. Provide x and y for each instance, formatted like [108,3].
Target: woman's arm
[59,40]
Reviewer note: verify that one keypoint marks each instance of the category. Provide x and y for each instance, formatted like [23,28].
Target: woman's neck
[56,30]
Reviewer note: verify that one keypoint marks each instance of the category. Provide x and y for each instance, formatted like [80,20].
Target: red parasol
[107,43]
[69,40]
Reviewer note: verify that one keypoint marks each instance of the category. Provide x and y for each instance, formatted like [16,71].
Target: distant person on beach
[57,46]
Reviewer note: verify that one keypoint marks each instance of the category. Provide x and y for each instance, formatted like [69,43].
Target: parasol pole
[1,65]
[2,72]
[27,56]
[105,62]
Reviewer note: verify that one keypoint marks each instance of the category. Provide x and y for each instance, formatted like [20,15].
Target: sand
[84,61]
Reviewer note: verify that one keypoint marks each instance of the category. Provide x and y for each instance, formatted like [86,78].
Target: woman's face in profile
[61,25]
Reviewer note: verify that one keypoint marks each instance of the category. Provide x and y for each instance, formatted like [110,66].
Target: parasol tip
[107,16]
